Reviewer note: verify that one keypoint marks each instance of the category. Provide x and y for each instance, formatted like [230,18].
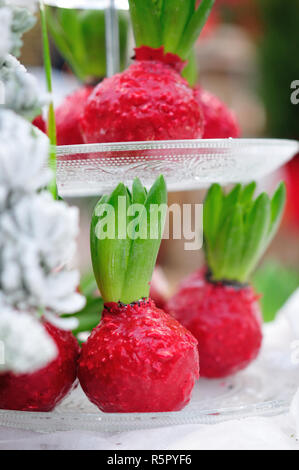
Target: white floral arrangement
[15,21]
[24,352]
[20,88]
[30,5]
[37,239]
[37,233]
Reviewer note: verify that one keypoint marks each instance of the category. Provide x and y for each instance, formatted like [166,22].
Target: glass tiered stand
[86,170]
[93,169]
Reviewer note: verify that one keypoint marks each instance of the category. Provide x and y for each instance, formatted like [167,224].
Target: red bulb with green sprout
[139,358]
[217,303]
[151,100]
[219,121]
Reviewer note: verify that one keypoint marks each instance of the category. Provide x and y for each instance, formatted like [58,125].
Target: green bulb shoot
[125,237]
[174,24]
[238,229]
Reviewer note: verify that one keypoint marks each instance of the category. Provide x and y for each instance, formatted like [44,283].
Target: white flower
[5,31]
[37,238]
[20,89]
[30,4]
[15,21]
[51,227]
[23,158]
[25,345]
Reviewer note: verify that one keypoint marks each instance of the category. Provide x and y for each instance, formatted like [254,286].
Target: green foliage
[175,24]
[51,124]
[89,317]
[124,248]
[276,283]
[238,229]
[190,72]
[79,35]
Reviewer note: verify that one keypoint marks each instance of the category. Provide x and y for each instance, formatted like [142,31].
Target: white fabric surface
[272,433]
[277,433]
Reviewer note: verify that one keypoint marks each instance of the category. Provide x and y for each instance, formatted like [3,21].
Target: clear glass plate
[265,388]
[88,4]
[85,170]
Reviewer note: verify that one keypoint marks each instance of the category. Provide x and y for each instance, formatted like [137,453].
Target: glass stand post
[112,39]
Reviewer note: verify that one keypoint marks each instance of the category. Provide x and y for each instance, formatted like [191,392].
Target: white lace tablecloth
[280,432]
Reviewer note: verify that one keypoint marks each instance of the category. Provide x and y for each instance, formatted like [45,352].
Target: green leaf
[248,193]
[174,24]
[70,23]
[213,206]
[138,192]
[230,201]
[59,35]
[51,125]
[79,36]
[277,207]
[190,72]
[88,285]
[228,247]
[123,265]
[158,5]
[89,317]
[256,233]
[194,28]
[276,283]
[144,252]
[175,16]
[110,255]
[146,23]
[238,229]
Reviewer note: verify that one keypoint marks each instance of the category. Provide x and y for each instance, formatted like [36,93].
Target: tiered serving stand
[267,386]
[86,170]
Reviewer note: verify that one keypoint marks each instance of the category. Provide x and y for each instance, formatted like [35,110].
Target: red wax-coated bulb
[219,121]
[40,123]
[68,116]
[139,359]
[148,101]
[44,389]
[226,321]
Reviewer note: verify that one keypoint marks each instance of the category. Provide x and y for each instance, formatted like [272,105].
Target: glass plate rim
[108,422]
[171,144]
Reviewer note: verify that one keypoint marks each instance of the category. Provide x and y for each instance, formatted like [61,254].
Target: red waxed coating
[40,123]
[219,121]
[292,178]
[149,101]
[225,320]
[159,55]
[139,359]
[44,389]
[68,116]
